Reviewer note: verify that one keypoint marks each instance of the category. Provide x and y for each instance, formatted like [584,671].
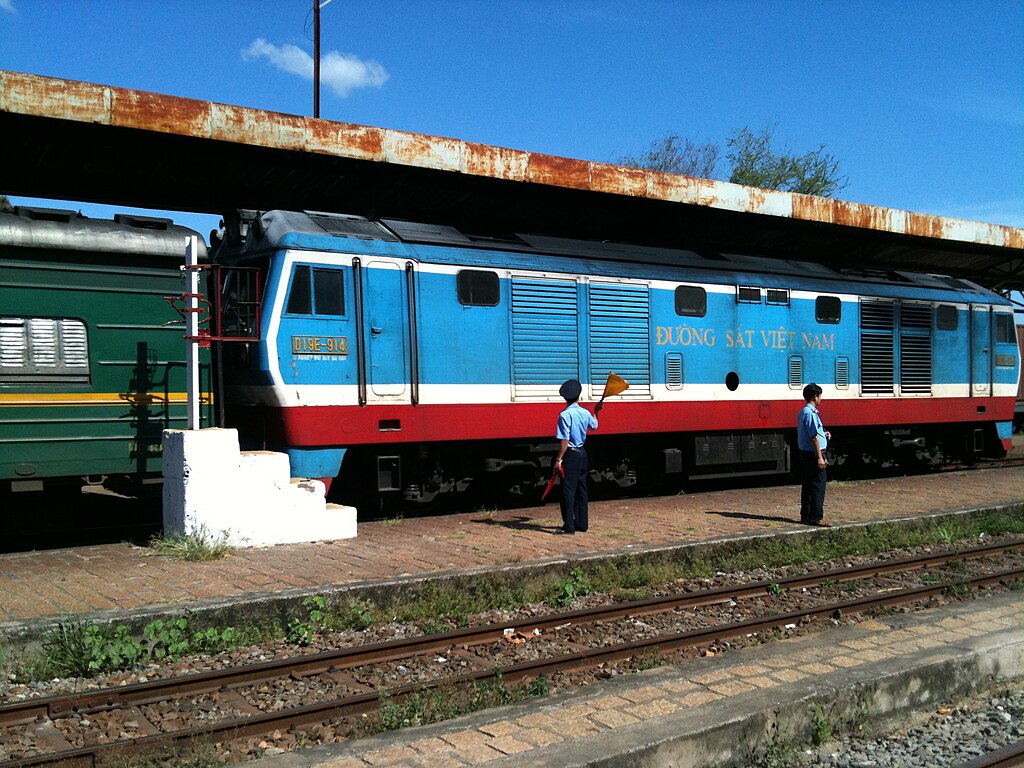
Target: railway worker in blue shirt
[812,440]
[572,462]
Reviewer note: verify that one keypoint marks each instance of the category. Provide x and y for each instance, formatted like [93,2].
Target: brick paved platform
[35,585]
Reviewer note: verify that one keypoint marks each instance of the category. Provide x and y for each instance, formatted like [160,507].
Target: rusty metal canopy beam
[79,141]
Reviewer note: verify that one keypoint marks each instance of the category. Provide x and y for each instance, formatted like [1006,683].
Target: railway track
[1007,757]
[225,704]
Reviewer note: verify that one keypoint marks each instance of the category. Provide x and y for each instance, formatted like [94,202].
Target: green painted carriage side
[111,424]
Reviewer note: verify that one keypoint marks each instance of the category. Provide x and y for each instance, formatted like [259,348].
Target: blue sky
[921,101]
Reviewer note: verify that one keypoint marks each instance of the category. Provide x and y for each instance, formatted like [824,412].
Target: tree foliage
[756,163]
[675,154]
[5,204]
[751,158]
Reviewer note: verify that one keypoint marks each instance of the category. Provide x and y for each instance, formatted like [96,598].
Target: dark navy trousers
[812,492]
[574,490]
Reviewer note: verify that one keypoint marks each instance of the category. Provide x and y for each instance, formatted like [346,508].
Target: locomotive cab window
[477,288]
[828,309]
[691,301]
[316,291]
[946,317]
[1004,328]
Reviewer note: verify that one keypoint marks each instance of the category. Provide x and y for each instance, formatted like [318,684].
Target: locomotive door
[981,351]
[386,331]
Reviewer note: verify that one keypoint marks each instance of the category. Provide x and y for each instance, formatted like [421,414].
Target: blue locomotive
[416,360]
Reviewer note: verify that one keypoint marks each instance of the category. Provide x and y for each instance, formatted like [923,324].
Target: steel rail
[261,723]
[208,682]
[311,713]
[1010,755]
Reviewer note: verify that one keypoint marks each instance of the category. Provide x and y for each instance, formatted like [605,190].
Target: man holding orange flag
[572,463]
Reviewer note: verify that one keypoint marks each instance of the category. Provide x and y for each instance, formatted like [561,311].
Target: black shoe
[563,532]
[817,523]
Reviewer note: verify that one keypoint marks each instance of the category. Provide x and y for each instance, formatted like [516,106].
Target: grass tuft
[197,545]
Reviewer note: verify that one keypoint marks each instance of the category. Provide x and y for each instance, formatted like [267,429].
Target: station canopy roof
[65,139]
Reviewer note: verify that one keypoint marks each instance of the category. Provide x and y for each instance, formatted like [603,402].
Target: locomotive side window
[1004,328]
[777,296]
[691,301]
[477,288]
[42,349]
[946,317]
[316,291]
[828,309]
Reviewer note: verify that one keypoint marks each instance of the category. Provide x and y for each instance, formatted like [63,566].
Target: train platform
[110,582]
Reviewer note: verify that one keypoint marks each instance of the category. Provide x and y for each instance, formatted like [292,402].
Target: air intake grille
[796,372]
[877,352]
[842,373]
[544,336]
[620,337]
[673,370]
[915,349]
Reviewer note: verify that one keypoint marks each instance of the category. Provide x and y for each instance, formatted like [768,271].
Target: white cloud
[341,72]
[7,5]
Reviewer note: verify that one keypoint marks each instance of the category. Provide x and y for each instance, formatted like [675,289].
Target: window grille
[41,350]
[777,296]
[747,295]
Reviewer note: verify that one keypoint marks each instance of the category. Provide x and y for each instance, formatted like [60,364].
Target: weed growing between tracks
[433,705]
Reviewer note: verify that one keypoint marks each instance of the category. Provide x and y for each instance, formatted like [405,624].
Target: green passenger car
[90,370]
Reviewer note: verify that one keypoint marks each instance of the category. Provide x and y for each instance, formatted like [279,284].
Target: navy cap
[571,390]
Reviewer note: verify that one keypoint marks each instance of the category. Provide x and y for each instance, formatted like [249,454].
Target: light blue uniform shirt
[808,424]
[573,424]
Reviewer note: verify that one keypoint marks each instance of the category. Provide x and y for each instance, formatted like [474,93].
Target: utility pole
[316,58]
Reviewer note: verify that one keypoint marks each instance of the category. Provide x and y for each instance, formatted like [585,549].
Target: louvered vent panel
[916,316]
[877,368]
[877,349]
[74,344]
[42,342]
[877,315]
[674,370]
[620,337]
[544,336]
[13,343]
[842,373]
[916,365]
[777,296]
[796,372]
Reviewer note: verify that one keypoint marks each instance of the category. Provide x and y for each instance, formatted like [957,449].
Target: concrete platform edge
[280,606]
